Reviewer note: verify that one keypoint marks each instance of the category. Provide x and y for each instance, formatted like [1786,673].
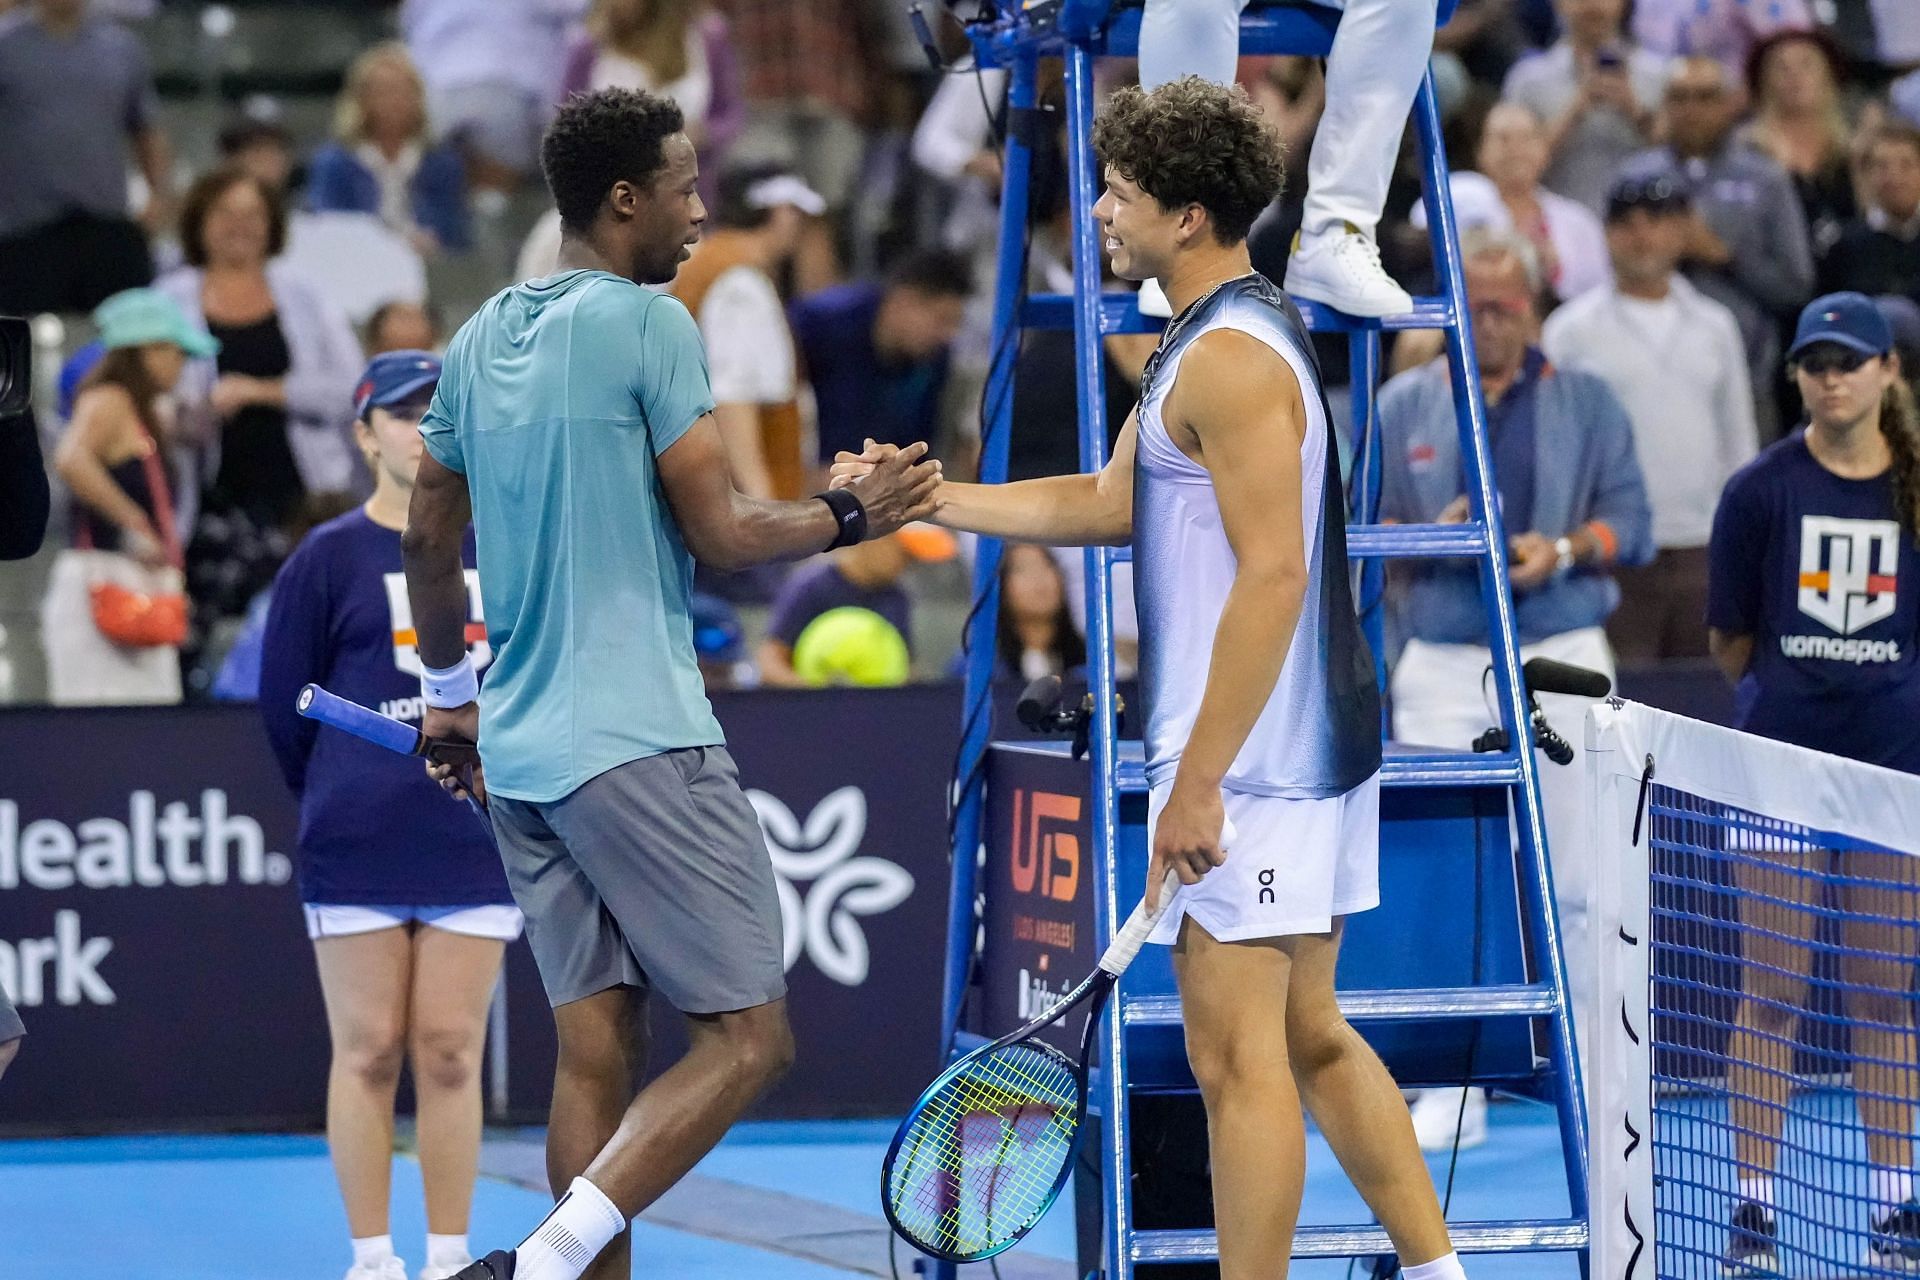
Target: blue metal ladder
[1079,32]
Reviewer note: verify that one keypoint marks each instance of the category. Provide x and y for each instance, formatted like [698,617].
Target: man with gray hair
[1572,505]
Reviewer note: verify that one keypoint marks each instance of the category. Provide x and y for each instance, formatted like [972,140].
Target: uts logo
[1847,571]
[406,651]
[825,923]
[1046,848]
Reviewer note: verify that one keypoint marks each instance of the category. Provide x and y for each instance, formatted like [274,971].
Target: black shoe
[1895,1242]
[497,1265]
[1753,1252]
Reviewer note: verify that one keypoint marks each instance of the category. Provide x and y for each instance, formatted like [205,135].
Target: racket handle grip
[316,703]
[1133,934]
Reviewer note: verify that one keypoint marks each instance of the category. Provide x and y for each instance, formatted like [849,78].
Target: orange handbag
[143,619]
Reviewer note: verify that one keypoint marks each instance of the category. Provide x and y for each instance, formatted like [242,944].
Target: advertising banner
[151,934]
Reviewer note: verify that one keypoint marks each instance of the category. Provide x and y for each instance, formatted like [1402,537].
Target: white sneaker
[388,1268]
[1344,272]
[1435,1112]
[1152,300]
[445,1272]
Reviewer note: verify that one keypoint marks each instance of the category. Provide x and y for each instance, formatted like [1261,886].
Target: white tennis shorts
[1294,865]
[499,923]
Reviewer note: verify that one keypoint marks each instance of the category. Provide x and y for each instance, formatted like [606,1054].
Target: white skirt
[1293,867]
[84,668]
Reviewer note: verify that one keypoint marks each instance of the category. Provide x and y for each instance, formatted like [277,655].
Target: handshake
[896,485]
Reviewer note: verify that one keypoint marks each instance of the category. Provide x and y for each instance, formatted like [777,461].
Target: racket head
[985,1151]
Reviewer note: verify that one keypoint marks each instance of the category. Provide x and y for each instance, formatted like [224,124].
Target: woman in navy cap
[406,901]
[1814,612]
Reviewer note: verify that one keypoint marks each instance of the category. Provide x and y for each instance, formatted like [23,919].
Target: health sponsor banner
[149,929]
[151,933]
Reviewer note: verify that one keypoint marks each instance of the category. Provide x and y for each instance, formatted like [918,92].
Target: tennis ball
[850,645]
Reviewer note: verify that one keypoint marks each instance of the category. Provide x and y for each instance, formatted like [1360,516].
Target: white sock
[1758,1188]
[371,1251]
[565,1245]
[447,1251]
[1447,1268]
[1892,1187]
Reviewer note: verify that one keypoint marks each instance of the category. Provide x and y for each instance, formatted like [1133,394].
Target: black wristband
[848,514]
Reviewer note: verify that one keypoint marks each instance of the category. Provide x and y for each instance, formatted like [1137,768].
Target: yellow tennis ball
[850,645]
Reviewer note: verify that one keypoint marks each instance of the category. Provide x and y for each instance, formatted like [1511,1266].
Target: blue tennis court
[776,1201]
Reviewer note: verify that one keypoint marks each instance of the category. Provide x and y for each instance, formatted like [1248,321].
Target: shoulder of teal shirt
[670,378]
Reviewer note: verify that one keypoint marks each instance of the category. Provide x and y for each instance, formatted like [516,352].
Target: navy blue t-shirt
[813,589]
[1820,572]
[374,829]
[858,394]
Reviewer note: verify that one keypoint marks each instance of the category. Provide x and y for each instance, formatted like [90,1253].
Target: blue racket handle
[316,703]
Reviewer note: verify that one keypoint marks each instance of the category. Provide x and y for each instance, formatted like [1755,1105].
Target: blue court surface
[776,1201]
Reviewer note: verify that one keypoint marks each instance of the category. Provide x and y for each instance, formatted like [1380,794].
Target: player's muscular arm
[437,519]
[725,529]
[1238,406]
[1056,511]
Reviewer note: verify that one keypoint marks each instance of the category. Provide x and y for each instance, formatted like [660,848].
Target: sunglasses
[1821,361]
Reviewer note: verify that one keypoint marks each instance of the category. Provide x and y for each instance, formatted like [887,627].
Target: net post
[1619,1083]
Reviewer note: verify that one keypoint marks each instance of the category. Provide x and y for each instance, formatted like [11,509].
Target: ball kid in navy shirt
[374,829]
[1814,561]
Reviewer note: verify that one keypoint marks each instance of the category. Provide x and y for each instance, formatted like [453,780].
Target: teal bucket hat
[135,317]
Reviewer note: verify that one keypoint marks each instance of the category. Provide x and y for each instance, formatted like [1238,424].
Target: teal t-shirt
[554,402]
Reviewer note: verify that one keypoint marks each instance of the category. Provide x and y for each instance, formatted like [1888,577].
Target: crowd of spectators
[1649,197]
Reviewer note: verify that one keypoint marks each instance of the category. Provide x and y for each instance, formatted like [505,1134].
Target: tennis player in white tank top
[1260,691]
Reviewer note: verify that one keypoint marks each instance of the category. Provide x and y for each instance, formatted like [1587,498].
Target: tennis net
[1757,919]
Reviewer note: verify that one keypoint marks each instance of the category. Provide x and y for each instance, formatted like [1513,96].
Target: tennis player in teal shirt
[573,422]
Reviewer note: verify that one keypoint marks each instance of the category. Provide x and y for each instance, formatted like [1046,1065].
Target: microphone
[1039,705]
[1544,675]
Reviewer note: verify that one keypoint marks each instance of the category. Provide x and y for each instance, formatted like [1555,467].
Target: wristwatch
[1563,549]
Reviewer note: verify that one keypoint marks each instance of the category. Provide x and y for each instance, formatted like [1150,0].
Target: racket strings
[982,1156]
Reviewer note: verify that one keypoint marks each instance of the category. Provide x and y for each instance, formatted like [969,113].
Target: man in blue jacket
[1573,505]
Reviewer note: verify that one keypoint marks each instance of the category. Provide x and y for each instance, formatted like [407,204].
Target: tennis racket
[985,1151]
[316,703]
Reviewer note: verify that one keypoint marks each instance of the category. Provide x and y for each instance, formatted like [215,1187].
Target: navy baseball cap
[1657,189]
[1849,319]
[393,377]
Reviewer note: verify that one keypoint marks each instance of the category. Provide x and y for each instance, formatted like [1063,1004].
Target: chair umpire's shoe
[497,1265]
[1343,271]
[1753,1250]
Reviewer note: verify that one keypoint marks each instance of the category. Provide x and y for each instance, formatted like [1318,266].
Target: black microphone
[1544,675]
[1039,704]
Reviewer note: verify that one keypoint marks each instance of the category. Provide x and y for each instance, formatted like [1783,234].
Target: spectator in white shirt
[492,68]
[728,286]
[1597,92]
[1506,196]
[1675,359]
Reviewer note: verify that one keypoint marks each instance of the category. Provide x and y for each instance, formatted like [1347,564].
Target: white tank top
[1319,734]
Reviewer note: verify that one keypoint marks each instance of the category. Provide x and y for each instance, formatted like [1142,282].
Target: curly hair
[598,139]
[1191,141]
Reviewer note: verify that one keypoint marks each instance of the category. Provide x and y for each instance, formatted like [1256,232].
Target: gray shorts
[654,875]
[11,1028]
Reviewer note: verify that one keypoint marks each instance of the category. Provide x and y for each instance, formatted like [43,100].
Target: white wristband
[453,686]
